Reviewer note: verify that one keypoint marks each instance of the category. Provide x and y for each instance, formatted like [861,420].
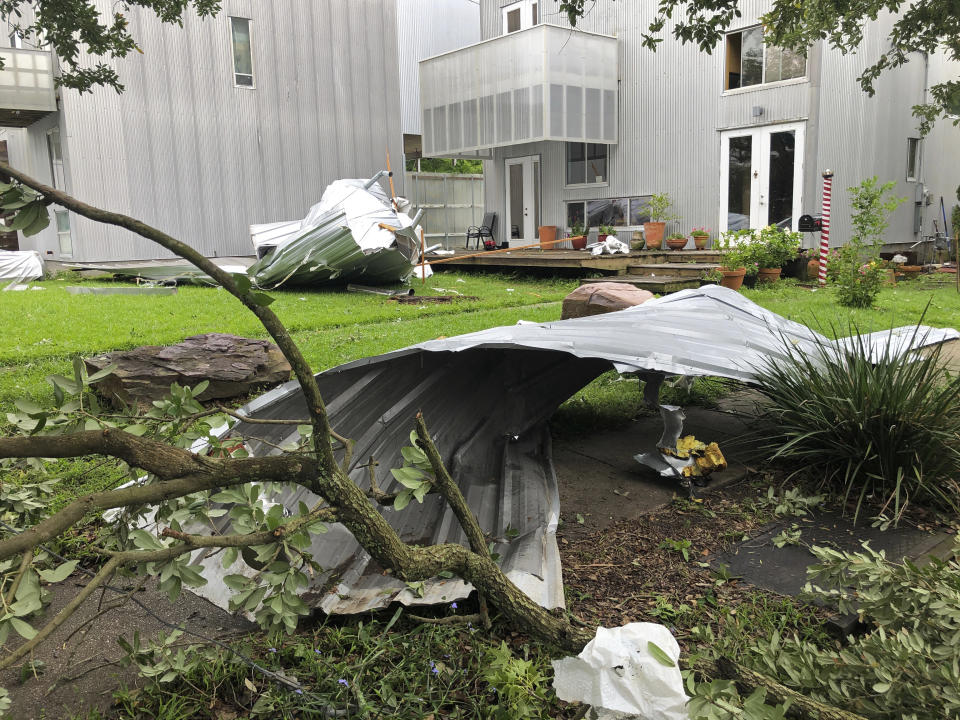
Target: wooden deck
[659,271]
[577,260]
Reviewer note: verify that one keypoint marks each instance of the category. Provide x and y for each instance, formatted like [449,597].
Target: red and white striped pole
[825,226]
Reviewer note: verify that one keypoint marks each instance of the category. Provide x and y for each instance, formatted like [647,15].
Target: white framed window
[749,61]
[520,16]
[586,163]
[621,212]
[16,39]
[240,32]
[61,217]
[913,159]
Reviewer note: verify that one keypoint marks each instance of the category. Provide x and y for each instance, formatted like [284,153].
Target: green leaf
[659,655]
[242,281]
[261,298]
[28,406]
[236,582]
[99,375]
[229,557]
[200,387]
[23,628]
[402,500]
[137,430]
[41,221]
[59,573]
[143,539]
[66,383]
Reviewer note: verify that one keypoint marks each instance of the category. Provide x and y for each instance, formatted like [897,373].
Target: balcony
[26,86]
[543,83]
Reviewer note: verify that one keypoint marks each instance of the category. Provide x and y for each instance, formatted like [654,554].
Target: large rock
[233,365]
[602,297]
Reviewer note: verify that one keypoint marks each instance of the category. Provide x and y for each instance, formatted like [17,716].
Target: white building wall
[426,28]
[185,150]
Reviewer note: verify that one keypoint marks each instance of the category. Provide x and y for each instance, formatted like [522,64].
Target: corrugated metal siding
[941,152]
[863,136]
[672,108]
[426,28]
[185,150]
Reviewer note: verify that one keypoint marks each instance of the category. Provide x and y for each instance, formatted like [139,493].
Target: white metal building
[226,122]
[585,124]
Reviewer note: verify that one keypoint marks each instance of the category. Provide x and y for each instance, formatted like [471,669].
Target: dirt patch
[90,655]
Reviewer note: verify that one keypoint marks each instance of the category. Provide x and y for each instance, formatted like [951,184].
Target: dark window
[913,158]
[242,52]
[586,163]
[750,62]
[575,214]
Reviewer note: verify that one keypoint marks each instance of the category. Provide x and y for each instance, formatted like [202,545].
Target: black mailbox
[808,223]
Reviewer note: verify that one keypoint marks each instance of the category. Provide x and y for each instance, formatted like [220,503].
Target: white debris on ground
[626,672]
[18,267]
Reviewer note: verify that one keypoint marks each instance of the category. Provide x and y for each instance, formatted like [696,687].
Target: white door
[520,16]
[523,199]
[761,177]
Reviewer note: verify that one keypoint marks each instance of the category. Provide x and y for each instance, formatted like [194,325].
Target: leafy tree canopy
[84,38]
[922,26]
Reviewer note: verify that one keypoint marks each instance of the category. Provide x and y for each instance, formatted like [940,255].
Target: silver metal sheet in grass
[487,397]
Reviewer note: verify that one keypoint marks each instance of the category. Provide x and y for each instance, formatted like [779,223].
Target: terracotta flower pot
[579,242]
[700,241]
[768,275]
[676,243]
[653,234]
[813,270]
[733,277]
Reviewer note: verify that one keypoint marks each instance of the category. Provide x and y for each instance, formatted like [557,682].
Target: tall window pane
[242,52]
[576,164]
[596,162]
[751,58]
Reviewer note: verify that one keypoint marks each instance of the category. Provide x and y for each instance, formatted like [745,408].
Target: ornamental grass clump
[874,426]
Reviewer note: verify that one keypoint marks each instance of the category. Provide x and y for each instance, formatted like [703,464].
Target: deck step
[661,285]
[677,256]
[679,269]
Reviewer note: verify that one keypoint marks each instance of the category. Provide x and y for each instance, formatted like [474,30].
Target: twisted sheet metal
[487,397]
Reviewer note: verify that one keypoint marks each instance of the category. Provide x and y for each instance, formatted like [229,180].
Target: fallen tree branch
[451,620]
[239,471]
[801,707]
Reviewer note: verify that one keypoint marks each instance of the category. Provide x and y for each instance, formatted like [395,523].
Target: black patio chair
[484,231]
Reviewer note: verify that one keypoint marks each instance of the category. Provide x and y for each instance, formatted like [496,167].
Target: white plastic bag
[619,674]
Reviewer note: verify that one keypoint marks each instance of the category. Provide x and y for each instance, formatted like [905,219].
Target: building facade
[583,125]
[229,121]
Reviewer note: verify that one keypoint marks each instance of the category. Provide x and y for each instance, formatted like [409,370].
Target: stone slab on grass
[602,297]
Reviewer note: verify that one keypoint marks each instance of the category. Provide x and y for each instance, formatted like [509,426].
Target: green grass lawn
[43,329]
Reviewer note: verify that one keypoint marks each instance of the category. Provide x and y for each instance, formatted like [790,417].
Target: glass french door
[761,177]
[523,198]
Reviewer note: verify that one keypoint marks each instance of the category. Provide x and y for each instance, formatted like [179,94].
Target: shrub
[858,270]
[882,427]
[774,247]
[738,250]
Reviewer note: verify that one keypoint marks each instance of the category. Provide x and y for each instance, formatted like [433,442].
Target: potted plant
[676,241]
[700,236]
[735,246]
[773,247]
[604,232]
[658,208]
[578,237]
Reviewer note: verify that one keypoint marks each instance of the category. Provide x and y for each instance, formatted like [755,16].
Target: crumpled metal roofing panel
[487,397]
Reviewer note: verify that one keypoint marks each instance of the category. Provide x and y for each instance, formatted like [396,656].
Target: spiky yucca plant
[881,426]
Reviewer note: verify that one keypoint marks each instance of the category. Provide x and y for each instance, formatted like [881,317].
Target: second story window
[242,52]
[586,163]
[520,16]
[750,62]
[913,159]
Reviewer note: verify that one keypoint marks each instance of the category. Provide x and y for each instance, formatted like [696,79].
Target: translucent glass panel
[740,162]
[242,52]
[543,83]
[26,81]
[780,187]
